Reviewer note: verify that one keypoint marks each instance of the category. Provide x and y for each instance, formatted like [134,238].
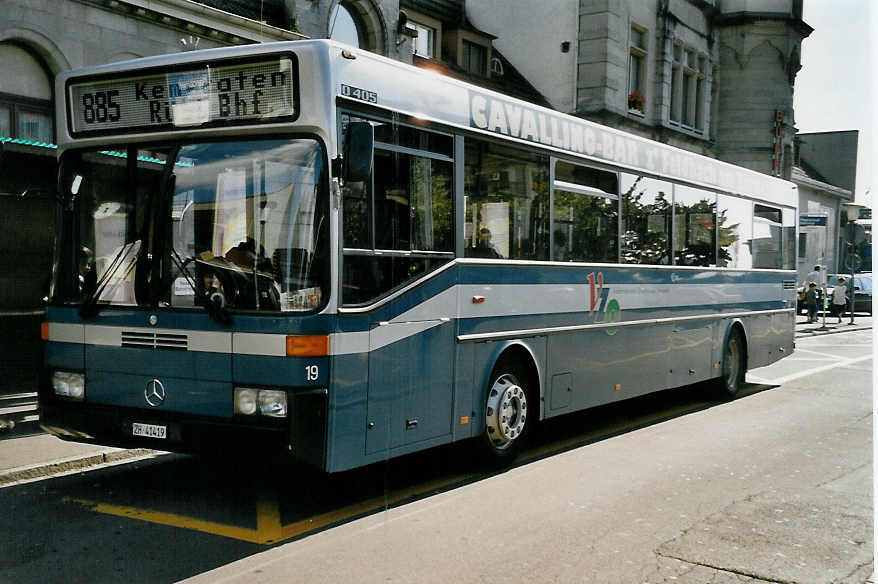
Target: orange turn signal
[44,330]
[307,345]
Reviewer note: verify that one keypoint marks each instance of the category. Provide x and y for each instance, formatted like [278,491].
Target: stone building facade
[710,76]
[825,170]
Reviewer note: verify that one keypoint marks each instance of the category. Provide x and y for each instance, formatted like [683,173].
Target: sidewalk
[803,329]
[33,457]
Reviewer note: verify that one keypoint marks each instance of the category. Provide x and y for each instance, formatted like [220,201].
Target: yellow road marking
[174,520]
[269,529]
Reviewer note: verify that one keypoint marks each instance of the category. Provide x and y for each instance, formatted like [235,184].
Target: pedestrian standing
[811,302]
[839,298]
[818,276]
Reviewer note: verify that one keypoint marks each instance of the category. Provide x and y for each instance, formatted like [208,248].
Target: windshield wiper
[125,256]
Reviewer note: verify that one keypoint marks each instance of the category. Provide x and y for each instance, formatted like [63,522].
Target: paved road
[677,487]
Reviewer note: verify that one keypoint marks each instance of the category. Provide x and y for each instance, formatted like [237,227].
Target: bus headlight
[273,403]
[245,401]
[250,401]
[69,385]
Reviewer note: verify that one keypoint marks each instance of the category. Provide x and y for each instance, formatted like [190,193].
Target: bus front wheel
[734,365]
[507,418]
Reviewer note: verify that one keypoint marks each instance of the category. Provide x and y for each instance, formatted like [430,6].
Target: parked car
[862,290]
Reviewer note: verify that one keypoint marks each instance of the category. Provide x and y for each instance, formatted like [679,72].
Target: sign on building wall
[812,221]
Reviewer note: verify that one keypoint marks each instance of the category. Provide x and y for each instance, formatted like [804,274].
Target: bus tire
[734,365]
[507,417]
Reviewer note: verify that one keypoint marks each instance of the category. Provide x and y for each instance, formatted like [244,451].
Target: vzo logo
[609,308]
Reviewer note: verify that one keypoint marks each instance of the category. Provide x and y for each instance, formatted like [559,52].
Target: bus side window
[646,220]
[734,232]
[586,214]
[399,225]
[507,204]
[694,226]
[767,235]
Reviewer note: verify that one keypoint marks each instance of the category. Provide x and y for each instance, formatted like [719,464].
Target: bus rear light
[307,346]
[44,330]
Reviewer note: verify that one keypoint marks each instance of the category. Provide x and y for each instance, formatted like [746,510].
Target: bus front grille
[154,340]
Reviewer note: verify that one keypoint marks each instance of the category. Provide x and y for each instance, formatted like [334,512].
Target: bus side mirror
[358,151]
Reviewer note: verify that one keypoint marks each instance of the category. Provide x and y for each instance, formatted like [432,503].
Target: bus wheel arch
[511,403]
[733,361]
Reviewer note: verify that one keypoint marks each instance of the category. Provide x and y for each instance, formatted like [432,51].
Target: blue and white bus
[311,249]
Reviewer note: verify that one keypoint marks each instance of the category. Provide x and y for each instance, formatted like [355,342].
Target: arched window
[345,27]
[358,23]
[25,96]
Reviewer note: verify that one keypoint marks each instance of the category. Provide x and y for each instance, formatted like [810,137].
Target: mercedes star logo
[154,393]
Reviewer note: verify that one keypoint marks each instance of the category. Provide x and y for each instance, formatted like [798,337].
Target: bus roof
[359,76]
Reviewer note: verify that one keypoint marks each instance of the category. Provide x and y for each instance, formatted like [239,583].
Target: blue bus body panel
[412,372]
[195,382]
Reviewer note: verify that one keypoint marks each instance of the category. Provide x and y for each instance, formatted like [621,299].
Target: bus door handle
[409,424]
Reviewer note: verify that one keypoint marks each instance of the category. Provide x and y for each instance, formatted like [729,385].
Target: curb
[73,464]
[816,333]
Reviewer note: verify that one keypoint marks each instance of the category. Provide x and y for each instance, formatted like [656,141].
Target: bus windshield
[234,225]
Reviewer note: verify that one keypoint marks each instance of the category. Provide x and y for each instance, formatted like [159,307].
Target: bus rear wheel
[734,365]
[507,419]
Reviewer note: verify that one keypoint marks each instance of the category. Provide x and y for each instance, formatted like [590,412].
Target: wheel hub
[506,411]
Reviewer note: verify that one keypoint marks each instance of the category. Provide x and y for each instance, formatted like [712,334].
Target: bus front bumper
[298,437]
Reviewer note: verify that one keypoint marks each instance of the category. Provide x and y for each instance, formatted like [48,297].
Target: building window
[26,98]
[688,88]
[424,45]
[26,118]
[344,27]
[358,23]
[34,125]
[5,120]
[637,69]
[496,67]
[475,58]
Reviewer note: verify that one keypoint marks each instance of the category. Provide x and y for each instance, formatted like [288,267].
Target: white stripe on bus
[456,302]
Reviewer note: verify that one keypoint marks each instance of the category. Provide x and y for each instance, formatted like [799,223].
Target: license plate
[150,430]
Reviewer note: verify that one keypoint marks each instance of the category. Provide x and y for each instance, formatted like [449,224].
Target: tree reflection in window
[694,226]
[646,220]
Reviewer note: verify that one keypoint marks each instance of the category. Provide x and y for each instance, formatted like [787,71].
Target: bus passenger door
[411,369]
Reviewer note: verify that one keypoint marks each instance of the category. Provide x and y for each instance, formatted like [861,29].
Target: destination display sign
[240,92]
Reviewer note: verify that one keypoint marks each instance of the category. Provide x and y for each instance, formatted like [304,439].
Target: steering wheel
[217,285]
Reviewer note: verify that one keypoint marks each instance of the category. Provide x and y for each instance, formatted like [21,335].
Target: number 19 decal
[312,372]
